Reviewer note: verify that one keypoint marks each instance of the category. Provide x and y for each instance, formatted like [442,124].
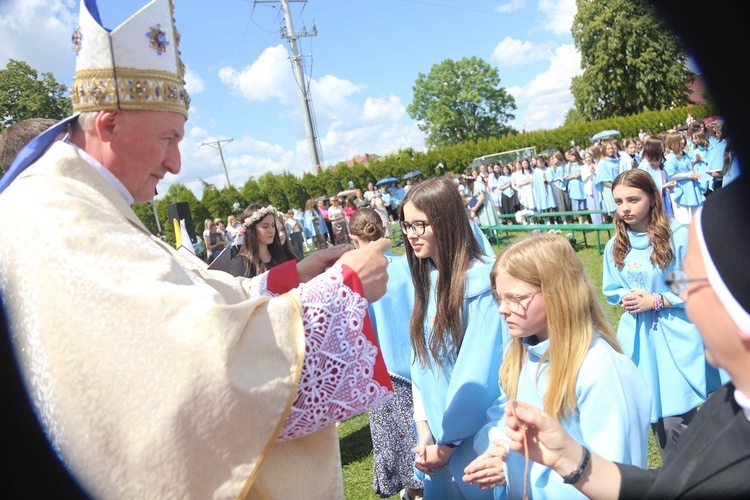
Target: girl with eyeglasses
[563,357]
[456,337]
[654,329]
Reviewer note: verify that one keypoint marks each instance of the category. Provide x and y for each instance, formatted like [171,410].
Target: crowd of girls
[529,327]
[686,166]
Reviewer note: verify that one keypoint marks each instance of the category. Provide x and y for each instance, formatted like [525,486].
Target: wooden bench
[572,213]
[563,228]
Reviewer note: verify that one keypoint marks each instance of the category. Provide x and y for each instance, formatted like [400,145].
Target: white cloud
[383,111]
[193,82]
[38,32]
[269,77]
[543,102]
[510,6]
[512,53]
[559,14]
[331,97]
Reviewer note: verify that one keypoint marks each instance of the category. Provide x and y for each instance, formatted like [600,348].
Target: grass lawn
[354,434]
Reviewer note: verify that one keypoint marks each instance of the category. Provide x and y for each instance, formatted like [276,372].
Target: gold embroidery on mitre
[157,39]
[155,90]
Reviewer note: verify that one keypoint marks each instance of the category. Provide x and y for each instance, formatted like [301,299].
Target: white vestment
[157,379]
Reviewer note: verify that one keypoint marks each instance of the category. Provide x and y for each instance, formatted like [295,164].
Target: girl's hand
[424,439]
[434,458]
[669,185]
[696,176]
[638,301]
[486,470]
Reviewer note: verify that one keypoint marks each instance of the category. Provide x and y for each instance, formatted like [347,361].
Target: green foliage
[632,62]
[23,95]
[214,202]
[573,117]
[234,199]
[461,101]
[272,190]
[146,214]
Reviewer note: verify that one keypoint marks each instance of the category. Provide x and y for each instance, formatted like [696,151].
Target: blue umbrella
[411,174]
[387,180]
[604,134]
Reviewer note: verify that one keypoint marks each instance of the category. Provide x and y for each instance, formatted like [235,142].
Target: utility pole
[308,114]
[158,224]
[217,145]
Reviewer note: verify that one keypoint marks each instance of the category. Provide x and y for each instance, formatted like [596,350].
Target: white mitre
[135,66]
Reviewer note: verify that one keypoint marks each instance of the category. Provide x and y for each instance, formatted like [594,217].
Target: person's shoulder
[603,358]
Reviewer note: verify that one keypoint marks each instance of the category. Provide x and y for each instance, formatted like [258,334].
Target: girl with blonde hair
[563,357]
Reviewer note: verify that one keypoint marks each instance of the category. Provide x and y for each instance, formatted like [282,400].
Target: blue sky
[362,65]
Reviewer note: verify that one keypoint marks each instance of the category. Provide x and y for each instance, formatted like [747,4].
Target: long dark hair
[659,231]
[438,198]
[250,250]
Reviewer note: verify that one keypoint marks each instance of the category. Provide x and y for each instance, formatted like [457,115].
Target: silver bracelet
[577,473]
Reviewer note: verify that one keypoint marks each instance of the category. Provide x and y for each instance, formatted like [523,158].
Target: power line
[296,60]
[217,145]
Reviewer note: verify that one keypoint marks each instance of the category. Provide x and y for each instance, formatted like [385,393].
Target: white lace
[337,375]
[258,287]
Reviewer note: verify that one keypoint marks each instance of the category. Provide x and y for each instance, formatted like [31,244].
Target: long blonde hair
[548,263]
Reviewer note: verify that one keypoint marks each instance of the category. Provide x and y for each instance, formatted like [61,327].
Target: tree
[214,202]
[24,95]
[460,101]
[631,60]
[573,117]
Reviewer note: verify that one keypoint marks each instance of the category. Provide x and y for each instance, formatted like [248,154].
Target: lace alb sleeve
[338,378]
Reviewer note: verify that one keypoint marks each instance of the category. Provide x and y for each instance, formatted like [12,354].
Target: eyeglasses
[418,227]
[678,281]
[513,303]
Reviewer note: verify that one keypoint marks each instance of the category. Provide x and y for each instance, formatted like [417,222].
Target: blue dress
[543,197]
[308,224]
[665,345]
[607,170]
[575,186]
[486,215]
[707,181]
[660,178]
[715,154]
[457,396]
[687,192]
[612,417]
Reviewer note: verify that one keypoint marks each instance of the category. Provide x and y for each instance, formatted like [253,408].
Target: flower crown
[258,215]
